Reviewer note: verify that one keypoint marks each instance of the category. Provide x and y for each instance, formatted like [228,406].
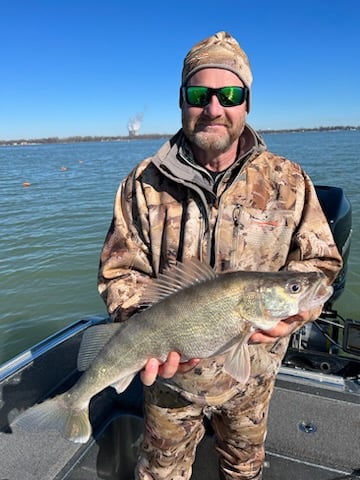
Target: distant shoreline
[88,138]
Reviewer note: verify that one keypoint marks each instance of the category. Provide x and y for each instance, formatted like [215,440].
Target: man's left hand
[282,329]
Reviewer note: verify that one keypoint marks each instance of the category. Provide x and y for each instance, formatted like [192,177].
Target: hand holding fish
[155,368]
[172,365]
[284,327]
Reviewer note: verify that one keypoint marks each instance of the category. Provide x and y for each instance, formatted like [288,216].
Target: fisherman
[213,192]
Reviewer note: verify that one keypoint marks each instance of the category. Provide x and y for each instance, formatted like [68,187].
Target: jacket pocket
[261,238]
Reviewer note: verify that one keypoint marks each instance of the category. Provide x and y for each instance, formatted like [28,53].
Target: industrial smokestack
[134,125]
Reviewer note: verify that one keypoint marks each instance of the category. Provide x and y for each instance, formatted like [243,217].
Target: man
[213,192]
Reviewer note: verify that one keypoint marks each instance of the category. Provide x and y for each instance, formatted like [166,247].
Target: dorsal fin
[176,278]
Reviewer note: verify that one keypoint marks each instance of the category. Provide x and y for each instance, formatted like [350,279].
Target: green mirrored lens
[197,96]
[230,96]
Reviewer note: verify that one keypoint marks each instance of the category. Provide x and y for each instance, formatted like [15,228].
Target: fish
[190,309]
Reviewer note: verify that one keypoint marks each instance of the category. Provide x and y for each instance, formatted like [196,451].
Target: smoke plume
[134,124]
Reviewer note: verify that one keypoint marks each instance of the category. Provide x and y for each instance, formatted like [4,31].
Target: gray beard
[211,143]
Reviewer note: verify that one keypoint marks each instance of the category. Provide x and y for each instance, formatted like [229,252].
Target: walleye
[192,310]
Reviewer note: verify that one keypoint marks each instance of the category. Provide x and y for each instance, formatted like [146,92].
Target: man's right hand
[172,365]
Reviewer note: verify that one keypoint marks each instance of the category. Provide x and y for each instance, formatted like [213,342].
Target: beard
[210,142]
[216,143]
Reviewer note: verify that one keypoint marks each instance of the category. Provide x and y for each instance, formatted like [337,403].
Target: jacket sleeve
[124,262]
[313,247]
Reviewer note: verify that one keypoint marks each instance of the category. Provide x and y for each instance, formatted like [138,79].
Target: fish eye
[294,287]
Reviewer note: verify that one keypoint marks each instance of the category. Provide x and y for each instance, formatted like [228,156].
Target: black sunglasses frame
[210,93]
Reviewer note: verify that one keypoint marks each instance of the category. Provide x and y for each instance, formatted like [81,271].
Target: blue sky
[86,67]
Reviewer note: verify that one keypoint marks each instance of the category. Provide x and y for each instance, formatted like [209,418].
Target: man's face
[213,127]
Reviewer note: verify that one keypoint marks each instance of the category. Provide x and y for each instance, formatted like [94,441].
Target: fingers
[261,337]
[170,367]
[149,373]
[154,368]
[187,366]
[282,329]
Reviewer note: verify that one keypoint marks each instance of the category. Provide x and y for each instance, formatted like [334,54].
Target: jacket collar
[175,158]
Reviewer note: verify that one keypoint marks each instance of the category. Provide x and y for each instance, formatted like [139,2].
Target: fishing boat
[314,422]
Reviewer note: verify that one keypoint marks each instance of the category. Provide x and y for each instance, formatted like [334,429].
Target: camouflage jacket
[260,214]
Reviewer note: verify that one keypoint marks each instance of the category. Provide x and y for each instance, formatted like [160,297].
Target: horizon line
[141,136]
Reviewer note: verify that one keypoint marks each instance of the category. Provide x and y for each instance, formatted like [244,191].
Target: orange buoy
[26,184]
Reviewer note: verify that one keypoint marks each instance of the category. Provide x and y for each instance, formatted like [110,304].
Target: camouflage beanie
[218,51]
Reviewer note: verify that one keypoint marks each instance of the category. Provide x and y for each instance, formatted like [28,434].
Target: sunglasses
[197,96]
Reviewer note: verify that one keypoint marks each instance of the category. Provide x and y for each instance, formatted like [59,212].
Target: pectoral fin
[122,384]
[93,340]
[237,363]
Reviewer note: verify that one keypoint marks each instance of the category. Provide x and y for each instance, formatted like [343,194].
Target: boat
[314,421]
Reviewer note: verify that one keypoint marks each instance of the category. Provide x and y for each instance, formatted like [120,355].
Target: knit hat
[218,51]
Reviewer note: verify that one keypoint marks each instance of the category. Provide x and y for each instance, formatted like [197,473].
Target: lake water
[52,231]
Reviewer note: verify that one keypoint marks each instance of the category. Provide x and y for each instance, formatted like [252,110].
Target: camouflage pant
[174,427]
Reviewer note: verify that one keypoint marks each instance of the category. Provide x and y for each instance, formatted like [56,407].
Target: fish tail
[55,414]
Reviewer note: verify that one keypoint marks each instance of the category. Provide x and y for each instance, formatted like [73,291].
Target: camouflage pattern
[174,425]
[261,214]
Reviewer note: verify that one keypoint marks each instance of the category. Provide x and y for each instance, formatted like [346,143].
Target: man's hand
[284,327]
[154,368]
